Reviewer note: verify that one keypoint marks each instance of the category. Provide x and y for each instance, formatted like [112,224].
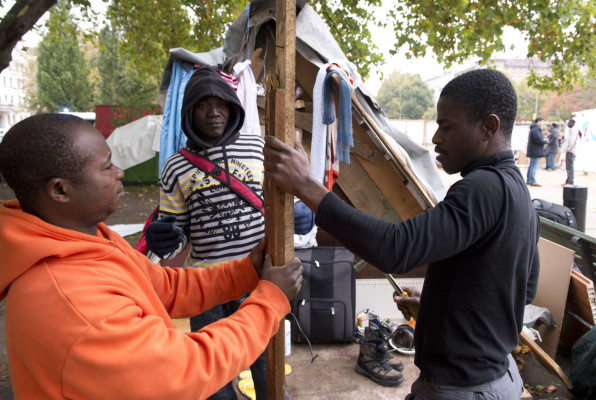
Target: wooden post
[279,206]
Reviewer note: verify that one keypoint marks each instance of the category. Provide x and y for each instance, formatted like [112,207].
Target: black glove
[163,236]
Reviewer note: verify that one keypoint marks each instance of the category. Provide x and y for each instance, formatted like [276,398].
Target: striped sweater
[219,224]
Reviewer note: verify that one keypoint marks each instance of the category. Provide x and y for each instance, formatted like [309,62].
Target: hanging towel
[319,130]
[172,138]
[331,161]
[344,125]
[247,93]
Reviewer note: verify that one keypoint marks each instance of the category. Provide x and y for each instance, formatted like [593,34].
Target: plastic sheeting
[135,142]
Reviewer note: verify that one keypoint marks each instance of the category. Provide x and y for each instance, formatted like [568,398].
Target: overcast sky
[426,67]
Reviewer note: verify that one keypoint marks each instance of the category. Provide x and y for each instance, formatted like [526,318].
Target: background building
[13,89]
[515,68]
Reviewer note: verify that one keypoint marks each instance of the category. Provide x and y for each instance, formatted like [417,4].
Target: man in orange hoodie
[89,317]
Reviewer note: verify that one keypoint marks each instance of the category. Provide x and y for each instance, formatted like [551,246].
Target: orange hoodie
[89,317]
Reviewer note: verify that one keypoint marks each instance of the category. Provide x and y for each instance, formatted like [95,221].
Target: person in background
[569,148]
[479,278]
[552,147]
[535,150]
[89,317]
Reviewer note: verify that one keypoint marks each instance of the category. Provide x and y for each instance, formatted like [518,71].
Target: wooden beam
[279,206]
[546,359]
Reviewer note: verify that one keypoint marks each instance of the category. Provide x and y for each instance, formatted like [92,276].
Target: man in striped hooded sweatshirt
[195,208]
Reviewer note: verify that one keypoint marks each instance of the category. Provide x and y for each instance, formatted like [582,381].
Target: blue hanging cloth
[344,125]
[172,138]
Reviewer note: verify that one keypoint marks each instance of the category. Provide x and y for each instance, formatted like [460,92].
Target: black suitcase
[555,212]
[326,304]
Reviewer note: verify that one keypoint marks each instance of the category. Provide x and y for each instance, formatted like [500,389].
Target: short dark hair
[38,149]
[538,120]
[554,125]
[483,92]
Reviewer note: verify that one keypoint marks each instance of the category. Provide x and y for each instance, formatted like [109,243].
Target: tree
[404,96]
[146,31]
[562,33]
[62,73]
[348,22]
[561,106]
[139,20]
[19,20]
[120,83]
[529,101]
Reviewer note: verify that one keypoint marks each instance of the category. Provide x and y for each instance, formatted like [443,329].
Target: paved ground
[140,201]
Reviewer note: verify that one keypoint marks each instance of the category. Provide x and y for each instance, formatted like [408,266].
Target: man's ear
[57,190]
[492,123]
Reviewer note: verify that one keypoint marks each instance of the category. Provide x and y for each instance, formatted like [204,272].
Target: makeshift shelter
[135,149]
[388,175]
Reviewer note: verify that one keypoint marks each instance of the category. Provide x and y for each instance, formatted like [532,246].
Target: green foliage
[120,83]
[404,96]
[149,29]
[430,113]
[559,32]
[348,22]
[146,31]
[559,107]
[529,101]
[62,73]
[212,20]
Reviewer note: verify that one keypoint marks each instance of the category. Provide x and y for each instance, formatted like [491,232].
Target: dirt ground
[140,201]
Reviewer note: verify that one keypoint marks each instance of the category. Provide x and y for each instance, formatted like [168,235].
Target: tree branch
[19,20]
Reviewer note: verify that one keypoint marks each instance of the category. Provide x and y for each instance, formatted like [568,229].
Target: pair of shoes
[534,184]
[384,335]
[372,363]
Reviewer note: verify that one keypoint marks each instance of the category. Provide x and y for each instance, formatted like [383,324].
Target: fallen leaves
[551,389]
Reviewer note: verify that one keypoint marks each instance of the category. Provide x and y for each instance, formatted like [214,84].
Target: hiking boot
[372,362]
[384,335]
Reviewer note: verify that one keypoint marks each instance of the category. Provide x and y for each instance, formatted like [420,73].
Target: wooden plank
[306,74]
[361,190]
[279,206]
[387,178]
[396,155]
[526,395]
[546,359]
[581,301]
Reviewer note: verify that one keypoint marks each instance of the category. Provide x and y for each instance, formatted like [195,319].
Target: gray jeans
[569,161]
[508,387]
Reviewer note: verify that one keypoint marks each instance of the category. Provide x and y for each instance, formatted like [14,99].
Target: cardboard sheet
[553,283]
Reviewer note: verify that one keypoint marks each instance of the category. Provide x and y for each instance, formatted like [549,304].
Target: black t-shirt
[480,244]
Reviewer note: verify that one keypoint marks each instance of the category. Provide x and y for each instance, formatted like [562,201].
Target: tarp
[135,148]
[585,121]
[316,44]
